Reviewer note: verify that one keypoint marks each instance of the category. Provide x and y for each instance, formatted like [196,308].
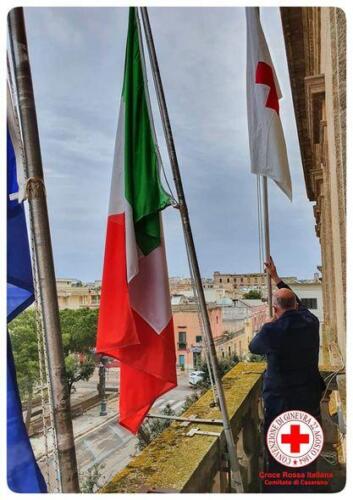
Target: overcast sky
[77,59]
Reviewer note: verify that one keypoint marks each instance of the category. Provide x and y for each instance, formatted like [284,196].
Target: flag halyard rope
[41,341]
[174,201]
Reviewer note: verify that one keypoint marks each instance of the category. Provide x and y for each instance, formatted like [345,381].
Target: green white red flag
[135,322]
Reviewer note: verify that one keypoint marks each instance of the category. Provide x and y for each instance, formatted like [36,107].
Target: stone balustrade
[175,462]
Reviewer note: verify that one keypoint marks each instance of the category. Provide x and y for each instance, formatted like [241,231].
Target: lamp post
[101,386]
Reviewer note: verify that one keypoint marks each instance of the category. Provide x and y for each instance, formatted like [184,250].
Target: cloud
[77,57]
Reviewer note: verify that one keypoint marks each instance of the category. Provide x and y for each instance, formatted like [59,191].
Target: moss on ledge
[172,459]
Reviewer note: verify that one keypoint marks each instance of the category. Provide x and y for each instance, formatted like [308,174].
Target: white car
[195,377]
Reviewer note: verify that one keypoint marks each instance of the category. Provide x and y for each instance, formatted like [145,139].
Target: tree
[79,329]
[253,294]
[78,367]
[79,335]
[225,364]
[23,334]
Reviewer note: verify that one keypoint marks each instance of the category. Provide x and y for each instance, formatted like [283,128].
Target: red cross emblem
[299,430]
[264,75]
[295,439]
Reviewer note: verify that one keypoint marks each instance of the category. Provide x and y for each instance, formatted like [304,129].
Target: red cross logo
[293,428]
[295,439]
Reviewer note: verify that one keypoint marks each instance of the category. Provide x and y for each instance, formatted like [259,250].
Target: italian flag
[135,322]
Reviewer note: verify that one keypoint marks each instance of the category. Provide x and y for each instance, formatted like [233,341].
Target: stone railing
[175,462]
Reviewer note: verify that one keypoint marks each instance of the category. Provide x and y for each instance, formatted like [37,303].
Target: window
[309,303]
[220,280]
[182,340]
[198,338]
[227,280]
[182,337]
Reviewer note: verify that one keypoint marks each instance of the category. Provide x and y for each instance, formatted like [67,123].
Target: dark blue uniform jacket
[291,344]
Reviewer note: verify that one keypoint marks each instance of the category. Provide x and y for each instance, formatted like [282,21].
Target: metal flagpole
[209,368]
[35,189]
[266,225]
[236,480]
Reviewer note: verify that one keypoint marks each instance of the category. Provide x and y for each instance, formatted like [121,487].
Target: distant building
[177,284]
[73,294]
[188,331]
[235,281]
[211,294]
[234,322]
[310,293]
[233,325]
[237,284]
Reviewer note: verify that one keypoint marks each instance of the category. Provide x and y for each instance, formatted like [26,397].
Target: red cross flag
[268,152]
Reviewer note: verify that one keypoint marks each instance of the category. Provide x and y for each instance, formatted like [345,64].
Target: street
[100,440]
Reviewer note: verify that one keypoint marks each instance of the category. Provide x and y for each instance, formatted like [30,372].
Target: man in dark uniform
[291,344]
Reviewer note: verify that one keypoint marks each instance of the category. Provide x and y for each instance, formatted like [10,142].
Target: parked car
[195,377]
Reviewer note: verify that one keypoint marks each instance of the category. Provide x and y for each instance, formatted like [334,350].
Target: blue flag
[23,473]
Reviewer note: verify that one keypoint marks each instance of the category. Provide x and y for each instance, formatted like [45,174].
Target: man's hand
[272,271]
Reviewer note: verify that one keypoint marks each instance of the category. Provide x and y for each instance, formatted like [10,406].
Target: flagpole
[43,253]
[266,225]
[236,480]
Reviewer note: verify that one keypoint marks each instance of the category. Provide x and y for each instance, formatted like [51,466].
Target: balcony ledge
[174,462]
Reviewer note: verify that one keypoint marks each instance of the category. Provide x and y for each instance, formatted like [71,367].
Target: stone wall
[315,39]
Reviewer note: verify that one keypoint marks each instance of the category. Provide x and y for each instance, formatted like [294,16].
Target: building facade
[188,331]
[310,293]
[232,282]
[233,325]
[315,39]
[236,284]
[72,294]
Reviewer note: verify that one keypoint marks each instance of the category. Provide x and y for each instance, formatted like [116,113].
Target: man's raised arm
[271,269]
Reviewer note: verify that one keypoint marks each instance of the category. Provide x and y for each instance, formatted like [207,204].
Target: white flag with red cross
[268,152]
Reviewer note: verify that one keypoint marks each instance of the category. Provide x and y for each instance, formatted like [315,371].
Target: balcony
[174,462]
[182,346]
